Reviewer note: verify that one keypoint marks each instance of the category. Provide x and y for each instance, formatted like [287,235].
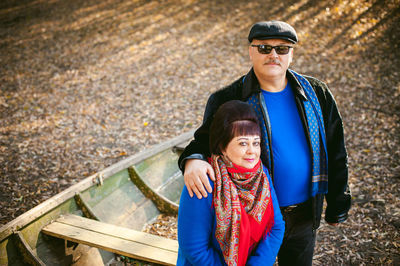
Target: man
[303,143]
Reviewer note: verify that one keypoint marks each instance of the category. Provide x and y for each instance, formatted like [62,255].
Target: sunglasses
[266,49]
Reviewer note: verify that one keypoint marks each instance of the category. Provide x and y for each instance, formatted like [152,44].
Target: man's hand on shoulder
[196,177]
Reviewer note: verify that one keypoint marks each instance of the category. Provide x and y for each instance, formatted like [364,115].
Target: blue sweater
[291,153]
[196,233]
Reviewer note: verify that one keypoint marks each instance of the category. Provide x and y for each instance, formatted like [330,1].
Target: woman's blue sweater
[196,233]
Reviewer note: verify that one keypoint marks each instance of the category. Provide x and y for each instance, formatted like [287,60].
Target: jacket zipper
[264,111]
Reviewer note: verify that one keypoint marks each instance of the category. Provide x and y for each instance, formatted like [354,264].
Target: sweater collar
[251,85]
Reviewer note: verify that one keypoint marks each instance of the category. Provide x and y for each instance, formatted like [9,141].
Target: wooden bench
[116,239]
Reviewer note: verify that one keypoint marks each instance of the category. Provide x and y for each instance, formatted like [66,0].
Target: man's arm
[198,148]
[196,177]
[338,197]
[194,170]
[193,161]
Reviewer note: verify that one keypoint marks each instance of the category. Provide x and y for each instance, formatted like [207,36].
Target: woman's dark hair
[233,118]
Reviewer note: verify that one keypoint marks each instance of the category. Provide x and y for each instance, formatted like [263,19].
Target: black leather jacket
[338,197]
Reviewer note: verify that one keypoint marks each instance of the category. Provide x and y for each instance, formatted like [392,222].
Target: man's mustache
[273,61]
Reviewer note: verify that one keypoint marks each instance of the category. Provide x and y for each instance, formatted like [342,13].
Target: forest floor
[85,84]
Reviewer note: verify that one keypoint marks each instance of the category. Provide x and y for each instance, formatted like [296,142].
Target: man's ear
[291,56]
[250,55]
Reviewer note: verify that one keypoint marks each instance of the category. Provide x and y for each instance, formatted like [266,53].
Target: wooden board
[120,240]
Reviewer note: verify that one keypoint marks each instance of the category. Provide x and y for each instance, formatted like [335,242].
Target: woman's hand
[196,177]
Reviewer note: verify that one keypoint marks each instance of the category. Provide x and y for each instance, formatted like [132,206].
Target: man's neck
[273,85]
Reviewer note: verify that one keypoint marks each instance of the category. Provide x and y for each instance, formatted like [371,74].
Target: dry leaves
[165,226]
[85,84]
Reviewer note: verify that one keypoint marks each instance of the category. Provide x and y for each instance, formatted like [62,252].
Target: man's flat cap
[265,30]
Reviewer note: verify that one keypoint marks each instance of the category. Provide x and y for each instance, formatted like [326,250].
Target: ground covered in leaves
[86,83]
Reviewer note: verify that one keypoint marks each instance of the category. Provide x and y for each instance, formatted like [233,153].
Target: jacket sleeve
[268,248]
[199,147]
[195,228]
[338,197]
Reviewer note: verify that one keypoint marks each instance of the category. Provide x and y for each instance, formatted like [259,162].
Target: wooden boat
[102,215]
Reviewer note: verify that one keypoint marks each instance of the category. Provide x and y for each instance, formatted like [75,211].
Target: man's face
[272,65]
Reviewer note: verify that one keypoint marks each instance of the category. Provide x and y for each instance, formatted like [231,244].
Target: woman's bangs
[245,128]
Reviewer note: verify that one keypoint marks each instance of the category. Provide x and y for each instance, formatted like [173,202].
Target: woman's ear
[221,150]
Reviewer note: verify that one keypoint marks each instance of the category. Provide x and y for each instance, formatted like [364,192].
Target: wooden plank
[86,209]
[27,253]
[118,231]
[163,204]
[116,245]
[116,239]
[158,170]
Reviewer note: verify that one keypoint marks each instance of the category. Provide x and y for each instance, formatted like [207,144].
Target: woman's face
[244,150]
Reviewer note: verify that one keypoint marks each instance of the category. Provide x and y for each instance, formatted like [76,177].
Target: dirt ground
[85,84]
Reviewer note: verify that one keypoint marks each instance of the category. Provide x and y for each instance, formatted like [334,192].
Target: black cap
[265,30]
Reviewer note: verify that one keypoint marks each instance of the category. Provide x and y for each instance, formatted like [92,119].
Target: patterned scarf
[235,186]
[316,129]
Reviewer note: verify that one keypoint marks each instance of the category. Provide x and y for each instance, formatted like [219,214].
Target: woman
[241,223]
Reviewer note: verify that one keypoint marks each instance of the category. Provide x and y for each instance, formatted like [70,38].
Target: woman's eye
[256,143]
[242,143]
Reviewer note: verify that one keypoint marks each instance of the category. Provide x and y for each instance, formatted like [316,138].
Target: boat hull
[112,196]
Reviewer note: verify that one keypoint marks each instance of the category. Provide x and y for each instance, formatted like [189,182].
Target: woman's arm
[268,248]
[196,220]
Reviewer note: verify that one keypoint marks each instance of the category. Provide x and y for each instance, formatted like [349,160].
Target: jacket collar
[251,85]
